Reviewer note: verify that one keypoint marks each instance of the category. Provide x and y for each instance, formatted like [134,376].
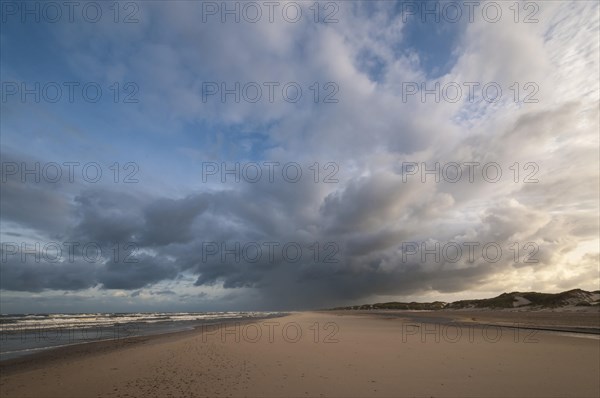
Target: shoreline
[53,353]
[454,319]
[320,354]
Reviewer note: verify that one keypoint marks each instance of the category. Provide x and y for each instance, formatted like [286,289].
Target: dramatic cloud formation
[191,199]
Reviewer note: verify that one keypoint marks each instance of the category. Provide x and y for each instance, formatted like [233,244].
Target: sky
[213,156]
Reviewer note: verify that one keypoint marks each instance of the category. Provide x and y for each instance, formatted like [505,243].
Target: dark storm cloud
[359,244]
[368,203]
[36,204]
[31,276]
[169,221]
[368,220]
[145,239]
[163,292]
[107,216]
[136,272]
[33,206]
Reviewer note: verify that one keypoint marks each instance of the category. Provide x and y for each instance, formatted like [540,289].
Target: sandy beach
[316,354]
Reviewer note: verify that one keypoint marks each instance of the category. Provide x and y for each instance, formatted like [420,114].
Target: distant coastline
[575,299]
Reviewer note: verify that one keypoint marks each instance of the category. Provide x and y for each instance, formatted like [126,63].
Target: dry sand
[352,355]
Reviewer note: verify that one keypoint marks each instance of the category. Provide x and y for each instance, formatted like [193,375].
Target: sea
[26,334]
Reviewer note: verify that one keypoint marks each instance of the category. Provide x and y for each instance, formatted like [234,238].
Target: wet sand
[313,354]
